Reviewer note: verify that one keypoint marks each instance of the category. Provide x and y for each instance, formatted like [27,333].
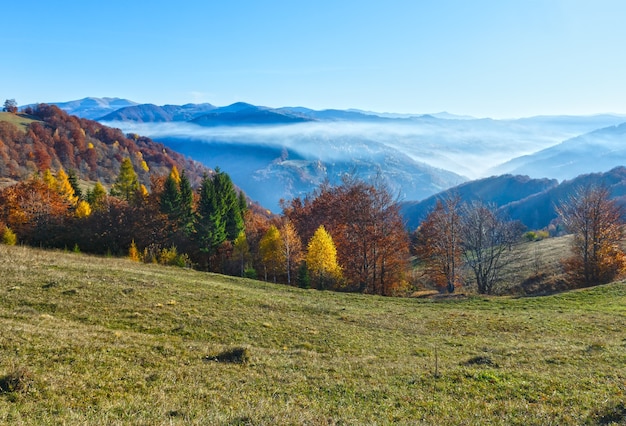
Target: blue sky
[499,58]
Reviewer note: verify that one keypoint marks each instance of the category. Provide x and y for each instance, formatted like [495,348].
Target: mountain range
[280,153]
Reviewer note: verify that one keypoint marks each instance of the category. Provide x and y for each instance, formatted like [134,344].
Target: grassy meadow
[89,340]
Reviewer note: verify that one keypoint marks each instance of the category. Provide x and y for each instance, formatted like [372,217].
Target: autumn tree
[291,249]
[271,251]
[367,228]
[321,260]
[439,243]
[241,250]
[596,224]
[10,105]
[126,185]
[485,237]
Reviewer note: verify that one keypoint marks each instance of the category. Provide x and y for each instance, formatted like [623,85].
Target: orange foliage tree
[367,228]
[597,226]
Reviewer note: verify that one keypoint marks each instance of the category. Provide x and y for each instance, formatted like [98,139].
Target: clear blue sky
[497,58]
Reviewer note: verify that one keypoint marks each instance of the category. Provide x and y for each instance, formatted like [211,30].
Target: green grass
[22,121]
[109,341]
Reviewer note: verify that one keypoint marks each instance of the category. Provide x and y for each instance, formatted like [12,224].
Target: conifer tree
[126,185]
[210,220]
[72,177]
[171,197]
[97,196]
[185,216]
[64,187]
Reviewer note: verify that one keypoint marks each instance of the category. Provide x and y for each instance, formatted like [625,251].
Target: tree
[291,248]
[210,221]
[485,236]
[271,251]
[97,196]
[241,249]
[439,243]
[321,260]
[596,224]
[126,185]
[10,106]
[185,210]
[369,233]
[170,197]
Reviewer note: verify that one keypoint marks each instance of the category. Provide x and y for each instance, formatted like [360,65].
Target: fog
[468,148]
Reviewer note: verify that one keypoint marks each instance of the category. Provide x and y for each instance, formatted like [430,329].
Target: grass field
[22,121]
[88,340]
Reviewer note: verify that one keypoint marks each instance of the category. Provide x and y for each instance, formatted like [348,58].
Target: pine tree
[171,197]
[72,177]
[64,187]
[210,221]
[97,196]
[126,185]
[185,216]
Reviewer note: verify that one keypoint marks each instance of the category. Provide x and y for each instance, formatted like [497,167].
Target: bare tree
[596,222]
[486,235]
[439,243]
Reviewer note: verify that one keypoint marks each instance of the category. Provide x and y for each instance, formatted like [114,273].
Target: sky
[484,58]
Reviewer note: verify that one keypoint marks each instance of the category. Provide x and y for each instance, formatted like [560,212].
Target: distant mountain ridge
[531,201]
[91,108]
[604,148]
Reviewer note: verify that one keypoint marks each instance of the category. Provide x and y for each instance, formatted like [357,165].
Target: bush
[8,237]
[133,252]
[250,273]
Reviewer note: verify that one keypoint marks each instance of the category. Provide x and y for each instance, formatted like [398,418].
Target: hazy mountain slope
[242,114]
[538,210]
[93,108]
[498,190]
[158,114]
[596,151]
[531,201]
[268,173]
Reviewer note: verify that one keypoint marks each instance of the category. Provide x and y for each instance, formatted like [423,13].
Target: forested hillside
[45,137]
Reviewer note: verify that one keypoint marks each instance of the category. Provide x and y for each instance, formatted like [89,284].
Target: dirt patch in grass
[17,380]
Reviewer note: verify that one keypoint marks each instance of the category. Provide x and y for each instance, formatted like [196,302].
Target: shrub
[8,237]
[133,253]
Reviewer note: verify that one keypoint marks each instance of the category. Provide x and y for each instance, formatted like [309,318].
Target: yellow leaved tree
[321,260]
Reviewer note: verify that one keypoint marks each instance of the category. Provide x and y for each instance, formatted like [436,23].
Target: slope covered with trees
[55,140]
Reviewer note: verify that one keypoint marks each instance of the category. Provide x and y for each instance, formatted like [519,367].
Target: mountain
[595,151]
[497,190]
[271,172]
[531,201]
[91,108]
[158,114]
[243,114]
[50,138]
[538,210]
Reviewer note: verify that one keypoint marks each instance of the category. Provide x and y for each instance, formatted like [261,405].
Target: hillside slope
[90,340]
[50,139]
